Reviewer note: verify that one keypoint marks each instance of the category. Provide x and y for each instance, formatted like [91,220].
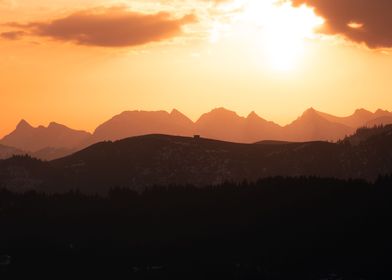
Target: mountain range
[143,161]
[56,140]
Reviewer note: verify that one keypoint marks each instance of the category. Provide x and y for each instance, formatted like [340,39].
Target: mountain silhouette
[360,117]
[313,126]
[227,125]
[135,123]
[143,161]
[56,140]
[222,124]
[33,139]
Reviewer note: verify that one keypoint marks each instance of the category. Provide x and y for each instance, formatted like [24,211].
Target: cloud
[362,21]
[12,35]
[106,27]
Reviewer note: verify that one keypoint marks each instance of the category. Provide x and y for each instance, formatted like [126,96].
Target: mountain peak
[311,115]
[362,111]
[221,114]
[222,110]
[176,112]
[310,112]
[253,115]
[380,111]
[180,118]
[23,124]
[55,125]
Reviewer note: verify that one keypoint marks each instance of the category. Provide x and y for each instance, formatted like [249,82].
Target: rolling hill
[144,161]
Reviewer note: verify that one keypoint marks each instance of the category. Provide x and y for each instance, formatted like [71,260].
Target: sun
[285,30]
[282,30]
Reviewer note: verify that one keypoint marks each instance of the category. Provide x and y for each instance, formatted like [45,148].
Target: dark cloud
[108,27]
[362,21]
[12,35]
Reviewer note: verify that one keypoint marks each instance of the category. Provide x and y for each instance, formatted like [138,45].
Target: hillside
[278,228]
[139,162]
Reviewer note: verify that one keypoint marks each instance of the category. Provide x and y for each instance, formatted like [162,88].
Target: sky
[81,62]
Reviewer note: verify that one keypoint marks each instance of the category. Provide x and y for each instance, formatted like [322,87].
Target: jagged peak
[381,111]
[53,124]
[253,115]
[310,114]
[176,112]
[362,111]
[127,113]
[222,110]
[310,111]
[56,125]
[219,113]
[23,124]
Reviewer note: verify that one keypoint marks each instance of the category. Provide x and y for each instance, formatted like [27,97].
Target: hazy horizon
[277,59]
[46,123]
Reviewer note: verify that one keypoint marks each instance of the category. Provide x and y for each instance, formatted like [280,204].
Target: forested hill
[280,228]
[139,162]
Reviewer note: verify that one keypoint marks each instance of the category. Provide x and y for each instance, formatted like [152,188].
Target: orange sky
[81,62]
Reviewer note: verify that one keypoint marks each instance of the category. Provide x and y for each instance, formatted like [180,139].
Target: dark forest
[276,228]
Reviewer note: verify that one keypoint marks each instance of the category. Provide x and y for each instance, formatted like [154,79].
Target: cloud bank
[105,27]
[362,21]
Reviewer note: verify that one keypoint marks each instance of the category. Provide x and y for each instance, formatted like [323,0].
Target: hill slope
[144,161]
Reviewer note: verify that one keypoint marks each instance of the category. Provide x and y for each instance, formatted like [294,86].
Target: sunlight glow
[355,25]
[282,28]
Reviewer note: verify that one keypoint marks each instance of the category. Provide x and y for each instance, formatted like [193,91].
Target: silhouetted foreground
[280,228]
[141,162]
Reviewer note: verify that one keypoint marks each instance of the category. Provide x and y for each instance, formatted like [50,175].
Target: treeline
[277,228]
